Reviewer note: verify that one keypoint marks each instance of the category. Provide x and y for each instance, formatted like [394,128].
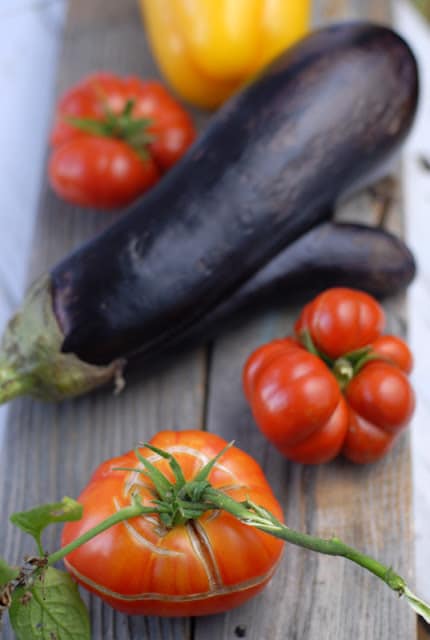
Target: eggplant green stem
[12,384]
[424,7]
[31,357]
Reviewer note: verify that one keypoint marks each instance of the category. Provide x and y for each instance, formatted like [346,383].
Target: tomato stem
[186,500]
[135,509]
[256,516]
[260,518]
[343,371]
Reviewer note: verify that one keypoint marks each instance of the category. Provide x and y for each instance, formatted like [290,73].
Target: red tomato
[168,125]
[293,394]
[381,394]
[207,565]
[171,126]
[99,170]
[325,443]
[395,350]
[261,356]
[296,402]
[303,405]
[341,320]
[364,441]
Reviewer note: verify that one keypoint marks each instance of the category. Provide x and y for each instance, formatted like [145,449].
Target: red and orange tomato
[207,565]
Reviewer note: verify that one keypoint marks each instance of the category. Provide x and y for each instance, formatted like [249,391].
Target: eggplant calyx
[12,384]
[31,360]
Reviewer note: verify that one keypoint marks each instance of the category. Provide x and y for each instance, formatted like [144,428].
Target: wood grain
[313,596]
[50,450]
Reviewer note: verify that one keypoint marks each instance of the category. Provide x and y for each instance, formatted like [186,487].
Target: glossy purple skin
[268,168]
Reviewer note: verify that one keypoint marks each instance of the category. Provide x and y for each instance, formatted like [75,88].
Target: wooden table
[50,450]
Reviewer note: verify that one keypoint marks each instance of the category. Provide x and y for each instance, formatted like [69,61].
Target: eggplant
[333,254]
[268,168]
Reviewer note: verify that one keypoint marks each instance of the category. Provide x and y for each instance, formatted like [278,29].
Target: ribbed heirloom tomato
[201,566]
[113,138]
[338,386]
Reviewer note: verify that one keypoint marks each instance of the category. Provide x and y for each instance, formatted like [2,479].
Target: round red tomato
[207,565]
[100,172]
[113,138]
[296,402]
[395,350]
[354,399]
[341,320]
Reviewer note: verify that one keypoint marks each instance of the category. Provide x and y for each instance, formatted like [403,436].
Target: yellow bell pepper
[208,48]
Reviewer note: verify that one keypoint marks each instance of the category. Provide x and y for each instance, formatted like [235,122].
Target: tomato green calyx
[123,126]
[343,371]
[306,341]
[345,367]
[180,501]
[183,500]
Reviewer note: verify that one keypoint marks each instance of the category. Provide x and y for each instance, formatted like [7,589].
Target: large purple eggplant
[269,167]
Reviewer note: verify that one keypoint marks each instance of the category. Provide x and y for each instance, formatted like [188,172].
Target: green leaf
[37,519]
[7,573]
[51,609]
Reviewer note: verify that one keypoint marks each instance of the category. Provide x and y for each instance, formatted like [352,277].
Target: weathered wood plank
[51,450]
[369,507]
[313,596]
